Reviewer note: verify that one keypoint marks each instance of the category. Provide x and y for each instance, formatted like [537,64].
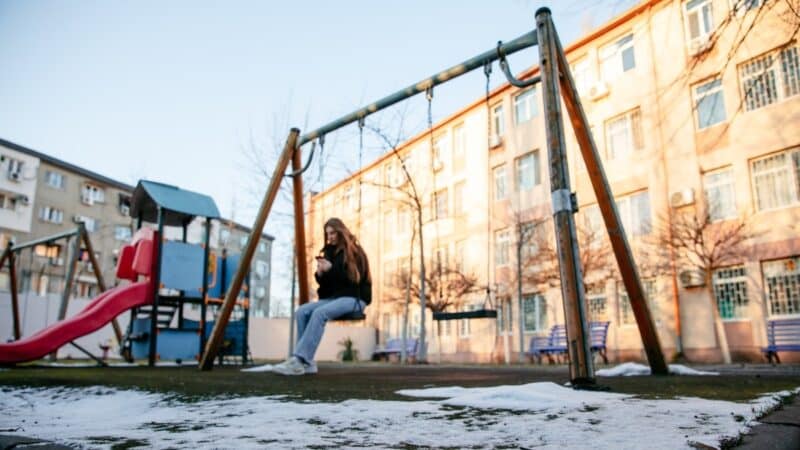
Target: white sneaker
[292,366]
[311,368]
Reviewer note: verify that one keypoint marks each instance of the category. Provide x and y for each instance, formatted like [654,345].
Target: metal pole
[572,290]
[99,275]
[204,289]
[68,280]
[152,356]
[291,307]
[212,346]
[46,239]
[513,46]
[12,274]
[608,209]
[299,228]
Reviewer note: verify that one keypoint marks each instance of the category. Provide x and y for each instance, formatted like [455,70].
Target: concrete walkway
[779,430]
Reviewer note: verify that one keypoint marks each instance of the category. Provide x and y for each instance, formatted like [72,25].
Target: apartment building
[694,107]
[52,196]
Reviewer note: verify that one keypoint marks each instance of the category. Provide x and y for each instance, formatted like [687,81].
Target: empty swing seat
[474,314]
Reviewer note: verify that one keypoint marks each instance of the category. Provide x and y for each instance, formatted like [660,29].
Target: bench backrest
[599,332]
[396,344]
[783,332]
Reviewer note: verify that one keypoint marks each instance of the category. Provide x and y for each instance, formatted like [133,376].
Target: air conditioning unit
[125,210]
[495,141]
[87,199]
[14,176]
[23,200]
[691,279]
[437,164]
[597,90]
[700,45]
[680,198]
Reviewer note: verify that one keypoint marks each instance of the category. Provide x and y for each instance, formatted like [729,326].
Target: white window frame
[731,281]
[770,78]
[582,75]
[709,92]
[502,244]
[720,195]
[458,198]
[498,121]
[597,304]
[521,170]
[703,12]
[440,204]
[539,312]
[785,274]
[122,233]
[505,317]
[459,145]
[92,193]
[525,106]
[500,182]
[612,63]
[635,221]
[631,141]
[785,175]
[51,214]
[54,179]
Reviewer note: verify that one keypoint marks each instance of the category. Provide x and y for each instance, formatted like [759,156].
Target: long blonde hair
[355,260]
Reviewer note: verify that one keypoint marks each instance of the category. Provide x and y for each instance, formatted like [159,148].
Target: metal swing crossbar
[554,71]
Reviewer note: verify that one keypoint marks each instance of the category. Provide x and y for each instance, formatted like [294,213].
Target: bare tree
[447,283]
[705,245]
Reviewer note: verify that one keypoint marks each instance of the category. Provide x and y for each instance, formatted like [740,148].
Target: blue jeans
[311,320]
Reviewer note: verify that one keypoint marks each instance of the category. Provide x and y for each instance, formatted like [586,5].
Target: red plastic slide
[94,316]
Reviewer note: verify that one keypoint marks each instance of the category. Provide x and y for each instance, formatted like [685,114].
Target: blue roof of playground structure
[180,206]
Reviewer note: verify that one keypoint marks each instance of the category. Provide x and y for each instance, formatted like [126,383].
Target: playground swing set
[557,84]
[148,258]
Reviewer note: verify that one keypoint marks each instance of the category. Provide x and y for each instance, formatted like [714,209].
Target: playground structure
[165,276]
[557,84]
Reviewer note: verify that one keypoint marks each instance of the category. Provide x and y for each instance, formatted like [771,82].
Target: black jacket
[334,283]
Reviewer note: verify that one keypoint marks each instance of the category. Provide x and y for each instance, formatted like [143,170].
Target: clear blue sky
[174,91]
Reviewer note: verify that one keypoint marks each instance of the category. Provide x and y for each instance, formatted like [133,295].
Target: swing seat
[474,314]
[355,315]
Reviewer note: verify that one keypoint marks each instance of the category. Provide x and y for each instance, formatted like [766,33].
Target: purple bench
[782,336]
[395,347]
[555,344]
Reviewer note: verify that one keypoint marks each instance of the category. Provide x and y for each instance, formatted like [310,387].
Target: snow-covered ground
[536,415]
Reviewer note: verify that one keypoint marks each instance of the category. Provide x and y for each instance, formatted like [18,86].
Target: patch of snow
[632,369]
[264,368]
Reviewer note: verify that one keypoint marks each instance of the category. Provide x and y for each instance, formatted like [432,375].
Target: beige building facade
[694,106]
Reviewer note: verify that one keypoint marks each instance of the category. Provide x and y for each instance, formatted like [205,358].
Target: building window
[709,102]
[91,194]
[500,192]
[50,214]
[505,322]
[617,58]
[90,223]
[463,328]
[459,146]
[525,106]
[529,234]
[440,204]
[527,168]
[730,291]
[14,171]
[388,224]
[262,269]
[626,316]
[8,201]
[699,20]
[634,211]
[441,262]
[596,302]
[439,152]
[122,233]
[262,247]
[770,78]
[776,179]
[224,236]
[501,244]
[54,179]
[403,221]
[624,134]
[782,278]
[243,241]
[498,121]
[124,204]
[458,198]
[459,256]
[741,7]
[593,225]
[720,196]
[582,75]
[534,313]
